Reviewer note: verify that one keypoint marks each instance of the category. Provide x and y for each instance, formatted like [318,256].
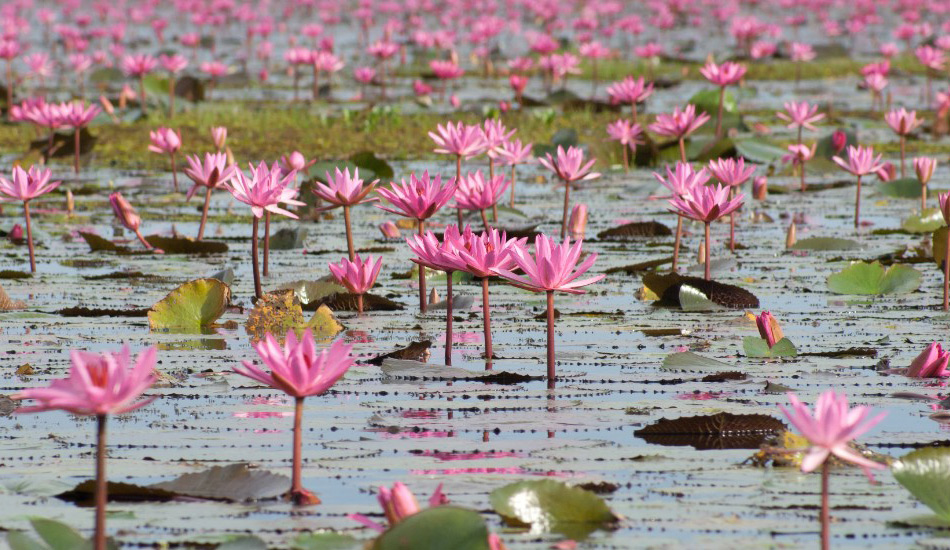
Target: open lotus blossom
[138,66]
[357,275]
[800,115]
[513,153]
[830,429]
[569,167]
[494,135]
[769,329]
[875,82]
[724,75]
[798,155]
[263,191]
[679,125]
[440,256]
[903,122]
[861,161]
[212,173]
[461,140]
[554,268]
[173,64]
[343,190]
[25,186]
[77,115]
[297,369]
[482,256]
[681,181]
[475,192]
[165,141]
[924,168]
[418,199]
[931,363]
[628,134]
[933,60]
[707,204]
[630,91]
[398,503]
[98,385]
[733,173]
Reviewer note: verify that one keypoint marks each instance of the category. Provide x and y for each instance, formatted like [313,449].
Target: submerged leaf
[825,243]
[192,306]
[873,279]
[719,431]
[551,506]
[636,230]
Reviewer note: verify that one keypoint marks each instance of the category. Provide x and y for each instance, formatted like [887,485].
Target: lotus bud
[790,237]
[398,503]
[230,155]
[503,106]
[760,188]
[931,363]
[701,256]
[434,297]
[925,166]
[454,100]
[125,212]
[219,136]
[70,202]
[16,233]
[578,221]
[887,172]
[838,141]
[389,230]
[108,108]
[769,329]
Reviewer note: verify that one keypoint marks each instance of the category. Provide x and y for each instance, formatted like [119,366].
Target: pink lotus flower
[342,189]
[679,125]
[77,115]
[398,504]
[706,204]
[357,275]
[420,198]
[800,114]
[458,139]
[569,167]
[166,141]
[727,74]
[861,161]
[513,152]
[494,135]
[578,223]
[924,168]
[174,63]
[931,363]
[730,171]
[683,179]
[902,121]
[801,52]
[518,83]
[389,230]
[475,192]
[838,140]
[264,190]
[624,131]
[364,75]
[97,384]
[26,186]
[298,370]
[211,174]
[630,91]
[219,136]
[445,69]
[930,57]
[769,329]
[829,430]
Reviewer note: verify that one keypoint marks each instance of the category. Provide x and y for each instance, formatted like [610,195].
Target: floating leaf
[186,245]
[708,101]
[344,301]
[192,306]
[930,220]
[692,299]
[244,542]
[636,230]
[54,535]
[667,287]
[437,528]
[277,312]
[414,370]
[926,474]
[367,160]
[234,482]
[84,494]
[689,361]
[873,279]
[288,238]
[325,541]
[718,431]
[323,324]
[754,346]
[80,311]
[901,188]
[760,151]
[825,243]
[312,291]
[547,506]
[415,351]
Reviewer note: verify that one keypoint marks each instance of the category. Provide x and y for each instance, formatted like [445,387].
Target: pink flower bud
[924,167]
[887,172]
[769,329]
[760,188]
[838,140]
[398,503]
[931,363]
[107,105]
[454,100]
[125,212]
[503,106]
[389,230]
[219,135]
[578,221]
[16,233]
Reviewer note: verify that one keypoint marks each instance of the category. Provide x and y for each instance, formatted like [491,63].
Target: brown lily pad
[345,301]
[81,311]
[717,431]
[636,230]
[667,287]
[415,351]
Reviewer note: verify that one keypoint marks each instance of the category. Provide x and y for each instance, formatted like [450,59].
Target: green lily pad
[708,101]
[901,188]
[190,307]
[926,474]
[758,150]
[754,346]
[367,160]
[547,505]
[437,528]
[54,535]
[873,279]
[244,542]
[825,243]
[689,361]
[325,541]
[930,220]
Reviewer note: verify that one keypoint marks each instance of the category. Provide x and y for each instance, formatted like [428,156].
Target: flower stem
[484,219]
[101,487]
[422,273]
[486,313]
[29,236]
[146,244]
[633,111]
[857,205]
[567,203]
[676,242]
[142,94]
[903,152]
[204,214]
[257,274]
[946,276]
[707,251]
[174,173]
[171,96]
[825,519]
[551,374]
[349,233]
[76,151]
[732,226]
[448,317]
[512,186]
[682,150]
[626,162]
[359,304]
[722,97]
[266,271]
[296,486]
[491,176]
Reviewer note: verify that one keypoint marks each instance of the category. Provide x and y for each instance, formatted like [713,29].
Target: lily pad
[901,188]
[437,528]
[928,221]
[234,482]
[873,279]
[192,306]
[667,287]
[926,474]
[825,243]
[692,299]
[311,291]
[186,245]
[754,346]
[277,312]
[325,541]
[547,505]
[760,151]
[718,431]
[636,230]
[54,535]
[708,101]
[367,160]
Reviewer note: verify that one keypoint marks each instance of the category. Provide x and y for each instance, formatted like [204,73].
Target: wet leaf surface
[551,506]
[718,431]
